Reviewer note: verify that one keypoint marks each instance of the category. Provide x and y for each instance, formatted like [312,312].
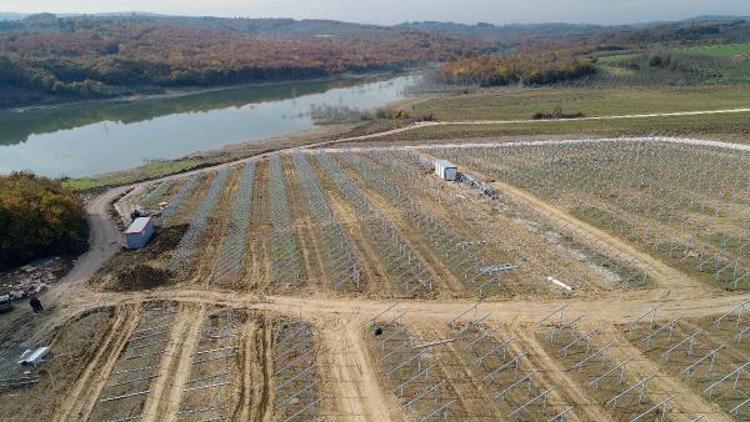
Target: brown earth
[354,387]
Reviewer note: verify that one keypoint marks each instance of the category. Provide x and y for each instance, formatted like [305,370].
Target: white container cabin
[446,170]
[139,233]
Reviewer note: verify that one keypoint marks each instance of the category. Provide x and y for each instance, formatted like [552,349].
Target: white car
[6,303]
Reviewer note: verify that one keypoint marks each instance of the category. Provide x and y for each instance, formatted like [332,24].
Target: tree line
[100,58]
[526,68]
[38,218]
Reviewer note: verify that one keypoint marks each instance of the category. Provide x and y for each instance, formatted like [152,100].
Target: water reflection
[80,140]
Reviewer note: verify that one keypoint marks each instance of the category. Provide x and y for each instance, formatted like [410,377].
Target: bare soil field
[40,393]
[686,205]
[554,280]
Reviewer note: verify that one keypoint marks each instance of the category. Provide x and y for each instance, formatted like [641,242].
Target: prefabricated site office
[139,232]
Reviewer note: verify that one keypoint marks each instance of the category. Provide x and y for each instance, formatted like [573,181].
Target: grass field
[726,127]
[722,50]
[510,104]
[725,64]
[616,58]
[726,50]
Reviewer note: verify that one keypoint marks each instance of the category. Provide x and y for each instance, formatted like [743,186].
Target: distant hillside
[487,30]
[724,18]
[282,28]
[96,56]
[700,29]
[103,56]
[286,28]
[11,16]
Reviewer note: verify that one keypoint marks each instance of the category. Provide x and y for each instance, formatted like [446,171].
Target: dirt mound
[165,239]
[140,277]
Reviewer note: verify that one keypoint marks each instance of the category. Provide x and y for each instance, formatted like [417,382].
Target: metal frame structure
[182,259]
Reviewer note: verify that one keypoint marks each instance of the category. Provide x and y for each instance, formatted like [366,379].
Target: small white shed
[139,232]
[446,170]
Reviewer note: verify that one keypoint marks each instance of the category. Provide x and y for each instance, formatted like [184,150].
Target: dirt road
[22,326]
[420,125]
[104,243]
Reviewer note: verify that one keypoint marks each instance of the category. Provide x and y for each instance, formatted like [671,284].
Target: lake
[86,139]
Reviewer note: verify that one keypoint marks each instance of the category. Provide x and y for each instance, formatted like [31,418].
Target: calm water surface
[83,140]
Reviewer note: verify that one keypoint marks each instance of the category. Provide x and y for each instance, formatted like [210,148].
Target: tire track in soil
[304,228]
[376,279]
[163,402]
[254,389]
[567,391]
[350,374]
[82,398]
[258,277]
[268,371]
[376,282]
[666,277]
[213,240]
[182,361]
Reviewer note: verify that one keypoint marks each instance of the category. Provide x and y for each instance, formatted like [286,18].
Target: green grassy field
[726,127]
[510,105]
[725,50]
[722,50]
[726,64]
[152,170]
[616,58]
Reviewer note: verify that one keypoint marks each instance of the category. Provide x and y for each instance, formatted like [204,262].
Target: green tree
[38,217]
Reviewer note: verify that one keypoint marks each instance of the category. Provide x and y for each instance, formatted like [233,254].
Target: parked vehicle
[6,304]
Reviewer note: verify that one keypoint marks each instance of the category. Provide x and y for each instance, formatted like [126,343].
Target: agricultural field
[515,104]
[717,64]
[726,50]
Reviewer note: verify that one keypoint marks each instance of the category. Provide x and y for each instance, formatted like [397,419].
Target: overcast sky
[395,11]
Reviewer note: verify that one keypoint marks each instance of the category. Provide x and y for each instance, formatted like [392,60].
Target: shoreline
[229,153]
[197,90]
[324,136]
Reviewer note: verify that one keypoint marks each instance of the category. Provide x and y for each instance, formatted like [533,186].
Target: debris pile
[141,277]
[474,183]
[32,279]
[166,239]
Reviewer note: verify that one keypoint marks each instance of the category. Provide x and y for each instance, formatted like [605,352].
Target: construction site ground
[133,337]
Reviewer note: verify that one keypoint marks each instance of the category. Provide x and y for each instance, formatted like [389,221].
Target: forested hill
[705,29]
[45,57]
[48,58]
